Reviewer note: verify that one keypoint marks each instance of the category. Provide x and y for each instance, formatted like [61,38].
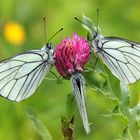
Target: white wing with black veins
[122,57]
[22,74]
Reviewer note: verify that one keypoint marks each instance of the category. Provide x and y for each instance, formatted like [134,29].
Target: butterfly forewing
[22,74]
[121,56]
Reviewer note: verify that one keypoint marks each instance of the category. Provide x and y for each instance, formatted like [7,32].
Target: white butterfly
[22,74]
[121,56]
[79,92]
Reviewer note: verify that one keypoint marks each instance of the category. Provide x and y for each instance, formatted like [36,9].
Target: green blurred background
[117,18]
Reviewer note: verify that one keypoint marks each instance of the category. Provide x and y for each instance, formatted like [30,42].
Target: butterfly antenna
[97,20]
[84,23]
[55,34]
[44,22]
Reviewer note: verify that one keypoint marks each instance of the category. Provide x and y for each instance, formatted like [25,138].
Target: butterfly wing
[78,87]
[22,74]
[122,57]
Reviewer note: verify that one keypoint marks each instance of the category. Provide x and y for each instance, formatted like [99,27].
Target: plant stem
[129,134]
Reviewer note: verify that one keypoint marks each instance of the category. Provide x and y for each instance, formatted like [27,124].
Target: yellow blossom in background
[14,33]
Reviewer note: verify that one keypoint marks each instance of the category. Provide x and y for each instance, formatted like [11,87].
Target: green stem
[108,81]
[129,134]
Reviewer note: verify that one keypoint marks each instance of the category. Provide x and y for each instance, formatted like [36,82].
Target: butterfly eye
[95,35]
[49,46]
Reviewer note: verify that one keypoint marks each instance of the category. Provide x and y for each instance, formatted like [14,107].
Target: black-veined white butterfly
[79,92]
[120,55]
[22,74]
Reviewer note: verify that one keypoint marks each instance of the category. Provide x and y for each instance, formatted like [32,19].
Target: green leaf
[88,25]
[134,93]
[38,125]
[120,117]
[70,105]
[135,116]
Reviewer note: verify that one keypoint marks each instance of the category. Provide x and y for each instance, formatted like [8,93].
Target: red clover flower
[71,56]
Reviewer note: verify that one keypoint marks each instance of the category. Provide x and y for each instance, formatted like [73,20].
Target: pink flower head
[71,55]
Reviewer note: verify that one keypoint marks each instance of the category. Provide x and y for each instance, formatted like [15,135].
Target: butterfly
[79,92]
[21,74]
[120,55]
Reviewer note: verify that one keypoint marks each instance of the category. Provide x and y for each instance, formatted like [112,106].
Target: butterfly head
[95,34]
[48,49]
[97,41]
[49,46]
